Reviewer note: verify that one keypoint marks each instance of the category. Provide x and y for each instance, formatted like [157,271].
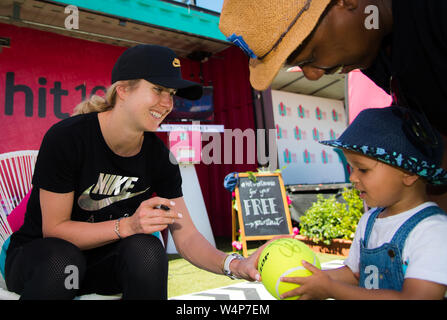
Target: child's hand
[315,286]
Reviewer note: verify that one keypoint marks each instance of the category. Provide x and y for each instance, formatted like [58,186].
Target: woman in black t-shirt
[91,225]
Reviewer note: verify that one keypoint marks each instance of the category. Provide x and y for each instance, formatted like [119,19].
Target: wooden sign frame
[237,218]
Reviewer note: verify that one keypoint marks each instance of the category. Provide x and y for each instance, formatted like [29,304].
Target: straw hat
[257,26]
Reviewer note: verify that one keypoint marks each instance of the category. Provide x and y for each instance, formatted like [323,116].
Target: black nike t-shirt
[75,157]
[418,58]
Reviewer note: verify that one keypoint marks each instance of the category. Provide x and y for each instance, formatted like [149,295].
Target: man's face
[341,43]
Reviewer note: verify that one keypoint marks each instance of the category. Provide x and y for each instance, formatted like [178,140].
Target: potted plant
[329,226]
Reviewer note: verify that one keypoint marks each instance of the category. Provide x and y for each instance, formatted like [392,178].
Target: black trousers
[52,268]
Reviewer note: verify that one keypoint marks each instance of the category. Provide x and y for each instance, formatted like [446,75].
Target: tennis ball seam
[288,272]
[285,274]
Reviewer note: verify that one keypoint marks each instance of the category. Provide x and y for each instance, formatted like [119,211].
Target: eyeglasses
[416,122]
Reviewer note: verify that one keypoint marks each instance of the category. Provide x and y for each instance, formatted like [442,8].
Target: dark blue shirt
[415,54]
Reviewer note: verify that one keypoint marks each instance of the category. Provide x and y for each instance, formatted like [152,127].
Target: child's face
[380,185]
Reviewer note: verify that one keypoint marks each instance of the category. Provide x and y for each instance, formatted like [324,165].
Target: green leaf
[329,219]
[251,176]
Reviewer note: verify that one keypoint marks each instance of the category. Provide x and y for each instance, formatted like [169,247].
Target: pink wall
[363,93]
[43,76]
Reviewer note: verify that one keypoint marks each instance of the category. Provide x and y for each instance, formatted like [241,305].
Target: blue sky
[215,5]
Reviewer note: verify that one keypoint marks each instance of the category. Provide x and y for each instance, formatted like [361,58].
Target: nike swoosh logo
[85,201]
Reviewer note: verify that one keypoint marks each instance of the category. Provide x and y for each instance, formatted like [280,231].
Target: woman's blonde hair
[100,104]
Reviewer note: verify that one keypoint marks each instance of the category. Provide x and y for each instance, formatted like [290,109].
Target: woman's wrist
[117,228]
[234,266]
[231,264]
[122,228]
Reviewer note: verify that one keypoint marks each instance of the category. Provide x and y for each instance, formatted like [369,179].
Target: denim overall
[382,267]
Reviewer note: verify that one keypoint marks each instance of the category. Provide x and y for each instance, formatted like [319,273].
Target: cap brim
[332,143]
[262,72]
[186,89]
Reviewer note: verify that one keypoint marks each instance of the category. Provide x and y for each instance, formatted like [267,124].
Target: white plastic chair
[16,172]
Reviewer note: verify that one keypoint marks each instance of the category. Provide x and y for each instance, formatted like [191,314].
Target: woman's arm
[56,221]
[193,246]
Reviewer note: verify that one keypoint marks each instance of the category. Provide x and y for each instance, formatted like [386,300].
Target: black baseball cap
[156,64]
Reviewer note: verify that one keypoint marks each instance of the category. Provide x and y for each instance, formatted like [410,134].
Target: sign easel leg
[233,226]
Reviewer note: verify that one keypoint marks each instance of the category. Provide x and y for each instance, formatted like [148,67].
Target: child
[399,245]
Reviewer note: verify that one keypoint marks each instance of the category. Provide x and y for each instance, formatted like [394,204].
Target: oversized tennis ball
[282,258]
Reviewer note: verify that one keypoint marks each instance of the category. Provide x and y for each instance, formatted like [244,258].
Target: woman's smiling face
[150,104]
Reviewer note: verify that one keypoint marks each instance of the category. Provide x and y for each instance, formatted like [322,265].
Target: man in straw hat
[400,44]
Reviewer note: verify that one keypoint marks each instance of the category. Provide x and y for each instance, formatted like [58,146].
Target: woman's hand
[248,268]
[152,215]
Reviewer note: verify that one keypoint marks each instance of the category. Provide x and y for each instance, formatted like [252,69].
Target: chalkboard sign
[262,208]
